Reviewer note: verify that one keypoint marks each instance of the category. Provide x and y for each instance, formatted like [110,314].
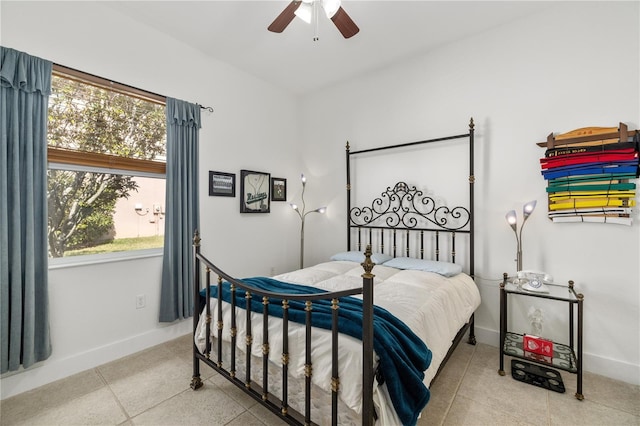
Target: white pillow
[358,256]
[446,269]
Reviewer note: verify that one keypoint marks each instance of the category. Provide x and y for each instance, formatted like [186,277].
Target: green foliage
[95,228]
[89,119]
[121,244]
[81,206]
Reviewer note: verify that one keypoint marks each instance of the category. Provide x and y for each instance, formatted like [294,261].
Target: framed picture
[255,189]
[278,189]
[222,184]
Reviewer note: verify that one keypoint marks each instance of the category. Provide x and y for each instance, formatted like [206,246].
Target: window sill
[93,259]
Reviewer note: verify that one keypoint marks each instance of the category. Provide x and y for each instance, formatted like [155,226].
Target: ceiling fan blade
[344,23]
[285,17]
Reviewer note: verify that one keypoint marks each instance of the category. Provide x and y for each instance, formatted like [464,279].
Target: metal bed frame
[402,208]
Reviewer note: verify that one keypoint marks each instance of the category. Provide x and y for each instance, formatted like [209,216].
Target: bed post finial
[471,125]
[347,146]
[367,264]
[367,339]
[196,238]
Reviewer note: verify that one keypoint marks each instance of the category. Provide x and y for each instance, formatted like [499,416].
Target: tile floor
[152,388]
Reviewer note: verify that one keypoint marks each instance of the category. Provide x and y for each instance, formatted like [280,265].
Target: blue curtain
[182,215]
[25,85]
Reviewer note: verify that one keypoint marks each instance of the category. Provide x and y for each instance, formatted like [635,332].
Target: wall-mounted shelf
[595,135]
[589,173]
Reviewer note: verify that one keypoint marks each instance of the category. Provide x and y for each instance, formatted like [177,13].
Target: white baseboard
[612,368]
[51,370]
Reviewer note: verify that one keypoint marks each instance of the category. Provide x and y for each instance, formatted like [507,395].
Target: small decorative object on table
[537,345]
[534,281]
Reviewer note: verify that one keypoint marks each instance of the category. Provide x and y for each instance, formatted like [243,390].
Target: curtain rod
[105,82]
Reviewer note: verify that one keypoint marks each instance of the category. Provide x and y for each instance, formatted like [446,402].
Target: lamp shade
[330,7]
[304,12]
[528,208]
[512,219]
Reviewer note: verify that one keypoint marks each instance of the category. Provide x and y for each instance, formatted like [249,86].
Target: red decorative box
[537,345]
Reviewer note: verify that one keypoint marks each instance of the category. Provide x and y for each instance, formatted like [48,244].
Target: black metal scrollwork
[404,206]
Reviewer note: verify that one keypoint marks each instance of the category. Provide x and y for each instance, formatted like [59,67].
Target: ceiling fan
[306,9]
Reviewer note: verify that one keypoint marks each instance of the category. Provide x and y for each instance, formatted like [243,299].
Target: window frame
[75,160]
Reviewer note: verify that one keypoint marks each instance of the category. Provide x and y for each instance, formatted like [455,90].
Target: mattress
[433,306]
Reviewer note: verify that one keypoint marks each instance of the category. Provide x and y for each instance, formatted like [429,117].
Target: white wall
[93,316]
[574,65]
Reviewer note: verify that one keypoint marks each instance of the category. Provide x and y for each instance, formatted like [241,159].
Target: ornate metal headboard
[404,221]
[403,210]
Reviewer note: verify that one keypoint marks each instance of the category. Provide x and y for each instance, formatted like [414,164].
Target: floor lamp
[303,214]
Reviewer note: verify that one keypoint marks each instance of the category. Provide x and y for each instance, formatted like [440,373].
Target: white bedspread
[433,306]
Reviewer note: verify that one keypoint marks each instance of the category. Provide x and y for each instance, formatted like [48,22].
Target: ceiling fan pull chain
[315,18]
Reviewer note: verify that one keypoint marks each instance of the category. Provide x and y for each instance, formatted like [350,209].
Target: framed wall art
[255,192]
[222,184]
[278,189]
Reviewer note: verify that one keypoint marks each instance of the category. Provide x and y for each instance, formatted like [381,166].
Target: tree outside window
[103,146]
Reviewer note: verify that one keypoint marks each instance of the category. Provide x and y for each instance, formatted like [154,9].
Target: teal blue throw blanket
[403,356]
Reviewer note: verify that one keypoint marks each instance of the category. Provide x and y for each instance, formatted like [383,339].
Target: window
[106,156]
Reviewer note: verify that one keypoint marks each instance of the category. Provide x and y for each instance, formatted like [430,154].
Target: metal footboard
[279,404]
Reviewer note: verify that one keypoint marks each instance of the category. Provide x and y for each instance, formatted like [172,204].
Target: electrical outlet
[141,301]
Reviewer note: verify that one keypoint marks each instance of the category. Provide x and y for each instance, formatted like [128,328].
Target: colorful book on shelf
[594,164]
[567,195]
[591,178]
[618,220]
[576,203]
[616,215]
[594,186]
[600,158]
[578,150]
[592,211]
[603,169]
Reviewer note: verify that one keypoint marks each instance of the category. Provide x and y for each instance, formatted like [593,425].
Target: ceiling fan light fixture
[304,9]
[304,12]
[331,7]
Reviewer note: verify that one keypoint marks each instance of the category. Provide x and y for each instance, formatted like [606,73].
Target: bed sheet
[433,306]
